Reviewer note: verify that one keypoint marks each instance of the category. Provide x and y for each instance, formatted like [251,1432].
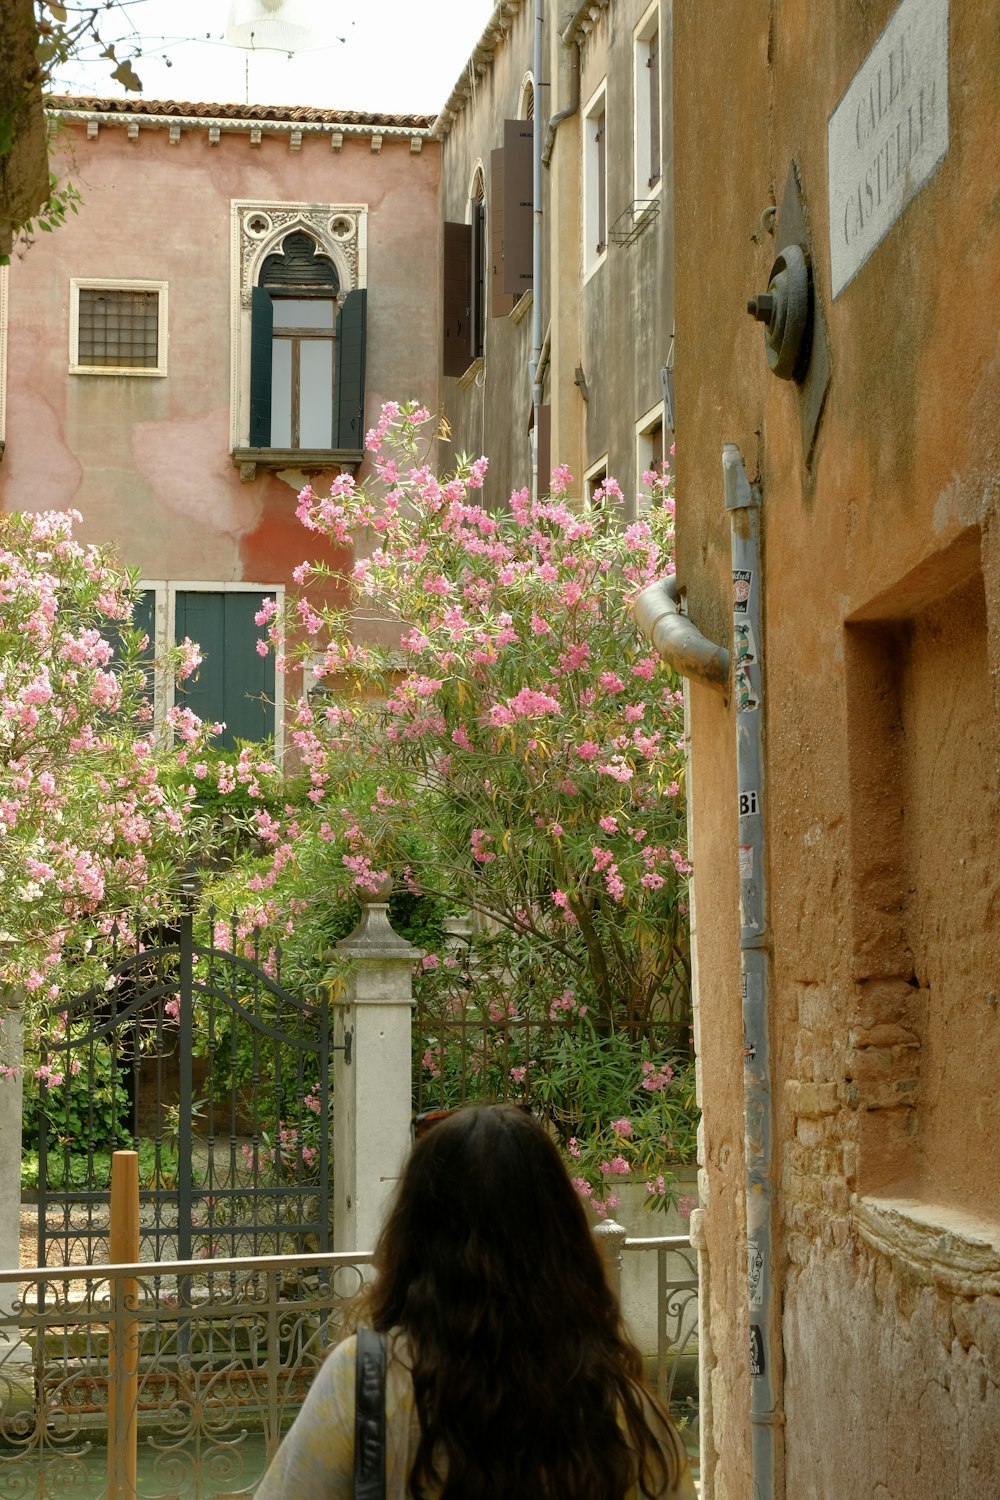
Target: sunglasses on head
[421,1124]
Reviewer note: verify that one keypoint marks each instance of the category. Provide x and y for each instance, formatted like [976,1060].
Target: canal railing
[221,1355]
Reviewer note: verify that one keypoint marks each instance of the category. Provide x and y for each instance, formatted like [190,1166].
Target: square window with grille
[118,328]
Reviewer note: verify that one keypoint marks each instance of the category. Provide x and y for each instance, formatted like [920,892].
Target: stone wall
[881,597]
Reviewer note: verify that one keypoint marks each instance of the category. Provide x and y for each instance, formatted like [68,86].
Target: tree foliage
[515,749]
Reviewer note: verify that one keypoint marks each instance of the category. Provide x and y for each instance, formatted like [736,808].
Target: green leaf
[126,75]
[59,11]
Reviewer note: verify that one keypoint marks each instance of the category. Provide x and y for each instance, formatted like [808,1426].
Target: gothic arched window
[307,352]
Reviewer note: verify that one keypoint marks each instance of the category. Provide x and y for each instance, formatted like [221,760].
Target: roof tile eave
[291,114]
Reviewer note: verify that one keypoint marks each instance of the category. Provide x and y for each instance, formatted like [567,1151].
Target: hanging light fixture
[273,25]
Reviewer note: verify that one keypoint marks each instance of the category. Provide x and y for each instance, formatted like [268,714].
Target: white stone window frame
[642,164]
[165,593]
[597,105]
[644,428]
[118,284]
[527,88]
[593,476]
[257,229]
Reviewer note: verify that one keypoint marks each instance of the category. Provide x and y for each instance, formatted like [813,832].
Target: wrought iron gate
[196,1056]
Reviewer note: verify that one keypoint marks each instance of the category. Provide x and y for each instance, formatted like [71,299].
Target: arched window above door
[299,336]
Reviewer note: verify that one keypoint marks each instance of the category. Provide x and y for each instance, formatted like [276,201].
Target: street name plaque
[888,134]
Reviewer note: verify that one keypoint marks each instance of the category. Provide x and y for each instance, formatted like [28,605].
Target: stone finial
[374,936]
[611,1237]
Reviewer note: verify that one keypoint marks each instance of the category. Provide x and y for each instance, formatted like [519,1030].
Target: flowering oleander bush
[526,744]
[656,1130]
[88,822]
[511,750]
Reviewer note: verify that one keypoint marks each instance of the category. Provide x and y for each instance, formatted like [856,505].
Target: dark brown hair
[525,1382]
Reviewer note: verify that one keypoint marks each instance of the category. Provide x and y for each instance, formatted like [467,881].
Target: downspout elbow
[675,638]
[571,108]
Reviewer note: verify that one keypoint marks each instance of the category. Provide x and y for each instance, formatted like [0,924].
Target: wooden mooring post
[123,1329]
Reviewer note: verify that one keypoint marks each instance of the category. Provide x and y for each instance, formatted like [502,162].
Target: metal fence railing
[223,1353]
[676,1307]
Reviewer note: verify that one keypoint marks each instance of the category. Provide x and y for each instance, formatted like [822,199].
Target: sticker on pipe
[746,646]
[742,585]
[747,701]
[749,804]
[757,1362]
[755,1266]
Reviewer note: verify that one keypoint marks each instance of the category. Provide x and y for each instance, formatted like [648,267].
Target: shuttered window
[464,301]
[233,683]
[144,621]
[501,301]
[512,217]
[477,289]
[307,354]
[352,334]
[647,139]
[595,176]
[602,184]
[457,284]
[544,446]
[653,71]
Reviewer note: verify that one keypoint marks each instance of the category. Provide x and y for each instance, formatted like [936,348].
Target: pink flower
[561,480]
[656,1078]
[587,750]
[479,839]
[622,1127]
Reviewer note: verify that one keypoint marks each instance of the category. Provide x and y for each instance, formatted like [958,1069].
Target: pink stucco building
[241,289]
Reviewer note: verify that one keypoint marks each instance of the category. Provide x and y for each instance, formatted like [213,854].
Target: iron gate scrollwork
[197,1056]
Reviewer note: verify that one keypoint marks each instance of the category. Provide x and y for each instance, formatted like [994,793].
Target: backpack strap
[369,1416]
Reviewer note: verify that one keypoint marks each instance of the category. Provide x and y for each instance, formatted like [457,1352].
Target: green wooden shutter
[233,683]
[261,331]
[457,276]
[144,619]
[349,387]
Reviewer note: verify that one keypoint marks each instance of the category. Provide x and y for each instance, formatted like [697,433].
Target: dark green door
[234,683]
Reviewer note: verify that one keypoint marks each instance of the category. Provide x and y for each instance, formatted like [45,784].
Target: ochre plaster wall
[881,589]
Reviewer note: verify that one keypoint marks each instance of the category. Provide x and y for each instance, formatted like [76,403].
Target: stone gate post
[11,1095]
[372,1083]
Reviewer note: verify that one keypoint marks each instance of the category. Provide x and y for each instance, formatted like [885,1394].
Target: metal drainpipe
[534,369]
[680,643]
[571,107]
[743,504]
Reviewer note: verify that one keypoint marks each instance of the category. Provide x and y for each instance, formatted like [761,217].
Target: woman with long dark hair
[510,1376]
